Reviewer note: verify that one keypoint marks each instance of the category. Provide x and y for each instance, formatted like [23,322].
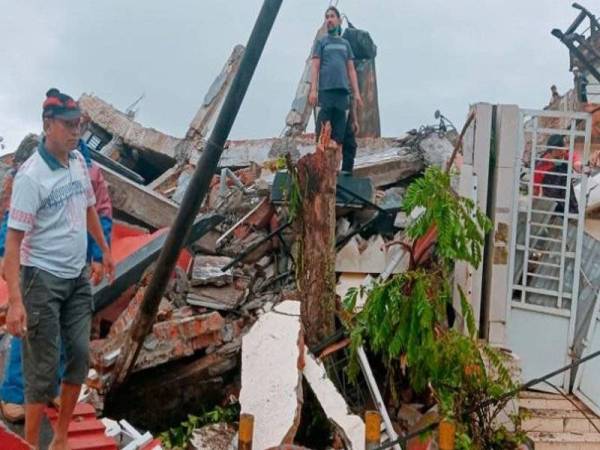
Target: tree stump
[317,176]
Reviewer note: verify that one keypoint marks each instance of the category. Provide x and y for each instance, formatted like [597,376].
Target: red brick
[189,327]
[248,175]
[262,216]
[241,231]
[216,180]
[418,443]
[125,320]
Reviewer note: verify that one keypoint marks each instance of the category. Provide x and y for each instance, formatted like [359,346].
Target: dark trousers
[349,146]
[333,108]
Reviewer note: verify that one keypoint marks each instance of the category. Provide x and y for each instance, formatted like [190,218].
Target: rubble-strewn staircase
[554,423]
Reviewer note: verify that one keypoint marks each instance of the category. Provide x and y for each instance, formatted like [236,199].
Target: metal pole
[197,189]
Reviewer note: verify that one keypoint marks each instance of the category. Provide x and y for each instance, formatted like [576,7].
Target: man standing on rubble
[333,78]
[50,296]
[12,389]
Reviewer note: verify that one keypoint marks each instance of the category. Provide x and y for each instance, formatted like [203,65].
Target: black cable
[404,439]
[570,400]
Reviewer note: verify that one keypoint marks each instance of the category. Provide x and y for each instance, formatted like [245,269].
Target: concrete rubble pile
[238,270]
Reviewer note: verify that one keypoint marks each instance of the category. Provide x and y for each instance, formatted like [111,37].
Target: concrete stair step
[559,424]
[559,403]
[554,413]
[535,394]
[565,441]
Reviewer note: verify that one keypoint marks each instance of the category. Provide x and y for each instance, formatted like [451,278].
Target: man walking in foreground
[12,395]
[50,298]
[333,77]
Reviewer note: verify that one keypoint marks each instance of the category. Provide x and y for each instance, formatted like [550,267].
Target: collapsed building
[238,265]
[229,318]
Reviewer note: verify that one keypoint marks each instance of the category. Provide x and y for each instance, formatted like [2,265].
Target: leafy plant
[459,224]
[405,319]
[294,195]
[178,437]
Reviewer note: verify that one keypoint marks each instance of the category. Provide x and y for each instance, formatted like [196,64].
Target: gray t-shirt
[334,53]
[49,203]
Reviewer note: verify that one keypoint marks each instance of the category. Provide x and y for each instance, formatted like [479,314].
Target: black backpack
[362,45]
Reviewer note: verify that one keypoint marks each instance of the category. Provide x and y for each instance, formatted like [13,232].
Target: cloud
[31,40]
[433,54]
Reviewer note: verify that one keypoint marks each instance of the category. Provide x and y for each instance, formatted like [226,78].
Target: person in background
[349,144]
[50,299]
[333,78]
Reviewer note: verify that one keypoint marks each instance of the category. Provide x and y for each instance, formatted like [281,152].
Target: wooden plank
[368,115]
[138,201]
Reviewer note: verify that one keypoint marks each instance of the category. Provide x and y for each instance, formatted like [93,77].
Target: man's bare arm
[95,229]
[354,83]
[314,80]
[16,318]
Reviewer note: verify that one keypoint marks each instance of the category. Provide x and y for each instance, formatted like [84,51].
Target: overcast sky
[432,54]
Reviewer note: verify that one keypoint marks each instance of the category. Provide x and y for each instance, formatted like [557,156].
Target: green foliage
[404,321]
[460,225]
[294,194]
[177,438]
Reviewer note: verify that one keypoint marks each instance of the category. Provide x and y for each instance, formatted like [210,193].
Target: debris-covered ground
[231,337]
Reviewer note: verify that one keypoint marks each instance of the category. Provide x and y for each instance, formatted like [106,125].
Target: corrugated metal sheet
[86,432]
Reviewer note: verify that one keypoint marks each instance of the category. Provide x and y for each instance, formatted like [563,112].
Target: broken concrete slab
[211,105]
[360,256]
[436,150]
[387,166]
[384,160]
[224,298]
[392,198]
[373,257]
[348,257]
[401,220]
[117,123]
[272,353]
[350,426]
[207,271]
[138,201]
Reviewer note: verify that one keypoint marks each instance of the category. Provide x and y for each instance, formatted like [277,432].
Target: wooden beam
[368,115]
[138,201]
[316,271]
